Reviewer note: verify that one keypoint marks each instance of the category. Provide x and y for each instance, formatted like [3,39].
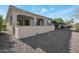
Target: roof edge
[10,6]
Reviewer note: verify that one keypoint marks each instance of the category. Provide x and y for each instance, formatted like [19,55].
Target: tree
[58,20]
[1,22]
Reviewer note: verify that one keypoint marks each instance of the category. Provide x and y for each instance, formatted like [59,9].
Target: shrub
[2,23]
[76,26]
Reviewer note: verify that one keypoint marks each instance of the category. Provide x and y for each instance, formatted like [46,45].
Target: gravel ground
[74,44]
[59,41]
[51,42]
[6,44]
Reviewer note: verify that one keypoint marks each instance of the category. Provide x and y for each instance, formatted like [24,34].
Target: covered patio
[24,24]
[23,20]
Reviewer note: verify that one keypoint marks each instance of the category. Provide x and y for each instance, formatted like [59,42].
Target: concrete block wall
[27,31]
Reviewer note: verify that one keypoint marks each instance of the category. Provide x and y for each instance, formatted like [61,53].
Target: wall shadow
[52,42]
[75,31]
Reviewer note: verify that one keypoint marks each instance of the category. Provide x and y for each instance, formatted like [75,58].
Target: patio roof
[27,11]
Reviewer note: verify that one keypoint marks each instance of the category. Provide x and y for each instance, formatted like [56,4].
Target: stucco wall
[18,12]
[27,31]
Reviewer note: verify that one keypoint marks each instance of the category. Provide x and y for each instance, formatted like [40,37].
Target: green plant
[76,26]
[58,20]
[2,23]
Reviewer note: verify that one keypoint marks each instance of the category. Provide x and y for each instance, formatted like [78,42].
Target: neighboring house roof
[24,11]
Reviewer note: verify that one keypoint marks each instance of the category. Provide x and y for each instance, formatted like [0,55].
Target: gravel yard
[59,41]
[6,44]
[74,44]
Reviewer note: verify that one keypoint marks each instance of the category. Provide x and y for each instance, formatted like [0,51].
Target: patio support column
[14,19]
[45,22]
[31,22]
[23,22]
[14,23]
[35,21]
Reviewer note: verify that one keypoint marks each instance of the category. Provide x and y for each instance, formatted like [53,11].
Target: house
[23,24]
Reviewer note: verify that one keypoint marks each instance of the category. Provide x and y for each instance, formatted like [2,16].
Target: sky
[52,11]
